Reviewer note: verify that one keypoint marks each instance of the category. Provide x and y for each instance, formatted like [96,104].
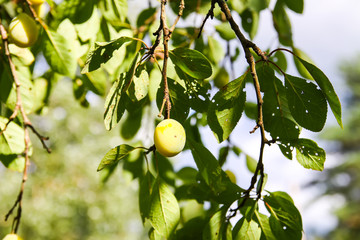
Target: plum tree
[23,30]
[169,137]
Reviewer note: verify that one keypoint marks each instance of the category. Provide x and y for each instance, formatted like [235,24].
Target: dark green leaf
[282,24]
[132,124]
[165,169]
[180,105]
[250,22]
[114,103]
[281,206]
[102,53]
[295,5]
[191,62]
[146,186]
[258,5]
[309,154]
[115,155]
[327,88]
[164,214]
[226,108]
[307,103]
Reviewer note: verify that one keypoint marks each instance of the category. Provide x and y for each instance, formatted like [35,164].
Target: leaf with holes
[327,88]
[226,108]
[309,154]
[277,117]
[102,53]
[307,103]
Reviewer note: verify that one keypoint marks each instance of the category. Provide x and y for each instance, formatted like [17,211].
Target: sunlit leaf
[115,155]
[218,228]
[247,230]
[226,108]
[12,140]
[309,155]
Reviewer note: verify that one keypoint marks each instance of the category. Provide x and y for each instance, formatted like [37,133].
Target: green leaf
[102,53]
[191,62]
[164,213]
[248,230]
[13,162]
[132,124]
[218,228]
[281,206]
[280,59]
[251,163]
[327,88]
[226,108]
[12,140]
[307,103]
[309,154]
[225,31]
[77,11]
[115,155]
[295,5]
[59,53]
[264,223]
[282,24]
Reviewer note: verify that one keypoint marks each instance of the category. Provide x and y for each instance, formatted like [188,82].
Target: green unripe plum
[12,236]
[23,30]
[221,78]
[169,137]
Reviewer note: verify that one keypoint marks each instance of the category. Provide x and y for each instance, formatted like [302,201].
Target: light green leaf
[164,213]
[102,53]
[309,154]
[295,5]
[299,66]
[225,31]
[251,163]
[218,228]
[13,162]
[12,140]
[264,224]
[140,87]
[88,30]
[59,53]
[115,11]
[248,230]
[226,108]
[191,62]
[23,54]
[115,155]
[307,103]
[327,89]
[216,52]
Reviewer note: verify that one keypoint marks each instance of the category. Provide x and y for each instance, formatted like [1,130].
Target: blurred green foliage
[65,197]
